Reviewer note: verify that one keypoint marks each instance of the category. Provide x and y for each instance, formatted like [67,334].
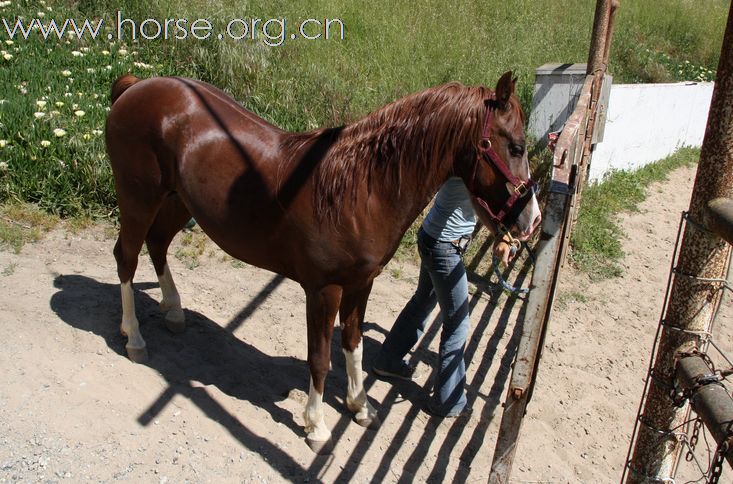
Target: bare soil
[223,401]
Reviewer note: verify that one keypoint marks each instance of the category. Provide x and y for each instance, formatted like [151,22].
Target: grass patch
[54,100]
[23,223]
[596,239]
[192,248]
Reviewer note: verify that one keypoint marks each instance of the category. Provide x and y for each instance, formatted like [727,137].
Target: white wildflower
[76,53]
[55,113]
[9,42]
[79,113]
[105,52]
[59,104]
[7,56]
[3,166]
[87,136]
[41,103]
[3,143]
[41,14]
[122,51]
[45,143]
[96,132]
[59,133]
[66,73]
[39,114]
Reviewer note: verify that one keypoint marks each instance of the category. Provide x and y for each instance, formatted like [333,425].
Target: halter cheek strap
[486,153]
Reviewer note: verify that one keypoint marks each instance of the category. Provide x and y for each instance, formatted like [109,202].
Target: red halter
[486,153]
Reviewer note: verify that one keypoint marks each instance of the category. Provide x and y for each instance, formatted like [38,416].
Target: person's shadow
[205,353]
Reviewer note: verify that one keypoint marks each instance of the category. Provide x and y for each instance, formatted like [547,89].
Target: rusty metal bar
[692,301]
[570,161]
[719,218]
[708,398]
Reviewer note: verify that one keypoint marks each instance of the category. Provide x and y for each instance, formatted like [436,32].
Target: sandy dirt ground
[223,401]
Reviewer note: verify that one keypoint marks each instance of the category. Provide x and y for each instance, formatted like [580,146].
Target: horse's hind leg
[353,308]
[134,223]
[170,219]
[321,308]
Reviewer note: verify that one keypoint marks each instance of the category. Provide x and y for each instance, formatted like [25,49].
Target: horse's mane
[411,137]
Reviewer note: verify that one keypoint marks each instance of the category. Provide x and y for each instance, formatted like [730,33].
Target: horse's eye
[516,150]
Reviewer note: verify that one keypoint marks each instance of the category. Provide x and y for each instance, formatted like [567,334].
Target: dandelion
[66,73]
[3,143]
[87,136]
[45,143]
[9,42]
[122,51]
[79,113]
[7,56]
[59,133]
[41,103]
[59,104]
[76,53]
[105,52]
[39,114]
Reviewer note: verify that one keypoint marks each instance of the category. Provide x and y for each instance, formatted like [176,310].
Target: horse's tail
[121,85]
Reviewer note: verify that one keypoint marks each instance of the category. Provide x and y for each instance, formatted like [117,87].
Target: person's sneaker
[462,414]
[404,371]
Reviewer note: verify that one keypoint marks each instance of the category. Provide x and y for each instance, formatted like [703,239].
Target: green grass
[23,223]
[390,49]
[596,238]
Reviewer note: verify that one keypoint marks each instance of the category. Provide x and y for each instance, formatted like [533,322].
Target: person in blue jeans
[441,241]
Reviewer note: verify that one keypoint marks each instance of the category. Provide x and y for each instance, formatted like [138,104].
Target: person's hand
[504,250]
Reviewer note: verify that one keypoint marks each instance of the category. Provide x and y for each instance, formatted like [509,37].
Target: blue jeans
[442,281]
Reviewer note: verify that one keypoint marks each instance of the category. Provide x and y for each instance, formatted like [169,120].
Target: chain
[693,439]
[717,465]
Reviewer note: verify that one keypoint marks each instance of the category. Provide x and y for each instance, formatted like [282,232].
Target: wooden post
[691,301]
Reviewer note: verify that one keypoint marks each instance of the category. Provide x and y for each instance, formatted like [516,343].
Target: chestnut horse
[326,208]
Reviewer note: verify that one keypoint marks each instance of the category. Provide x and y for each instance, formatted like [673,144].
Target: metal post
[691,301]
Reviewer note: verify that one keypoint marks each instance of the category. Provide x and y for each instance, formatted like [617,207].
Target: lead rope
[515,246]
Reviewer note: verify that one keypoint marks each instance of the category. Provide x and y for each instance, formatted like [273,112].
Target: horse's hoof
[138,355]
[175,321]
[372,423]
[320,447]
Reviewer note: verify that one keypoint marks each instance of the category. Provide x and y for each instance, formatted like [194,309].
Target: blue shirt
[452,215]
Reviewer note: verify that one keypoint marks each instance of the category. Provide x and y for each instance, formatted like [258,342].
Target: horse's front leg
[321,308]
[353,308]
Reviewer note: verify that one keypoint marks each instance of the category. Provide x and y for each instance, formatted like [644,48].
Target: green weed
[596,238]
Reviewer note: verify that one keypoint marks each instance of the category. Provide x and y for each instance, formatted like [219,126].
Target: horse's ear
[505,88]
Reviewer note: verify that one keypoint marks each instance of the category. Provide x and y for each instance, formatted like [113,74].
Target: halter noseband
[521,192]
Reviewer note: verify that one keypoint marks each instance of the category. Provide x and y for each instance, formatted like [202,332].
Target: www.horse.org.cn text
[272,32]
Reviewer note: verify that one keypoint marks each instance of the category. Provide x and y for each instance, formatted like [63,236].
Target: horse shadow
[205,354]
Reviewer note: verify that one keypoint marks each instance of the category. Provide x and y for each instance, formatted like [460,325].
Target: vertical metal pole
[691,301]
[601,36]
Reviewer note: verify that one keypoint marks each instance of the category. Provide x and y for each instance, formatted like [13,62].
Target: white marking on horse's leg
[315,426]
[171,300]
[356,398]
[130,326]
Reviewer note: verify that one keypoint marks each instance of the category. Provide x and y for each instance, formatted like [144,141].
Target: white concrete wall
[647,122]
